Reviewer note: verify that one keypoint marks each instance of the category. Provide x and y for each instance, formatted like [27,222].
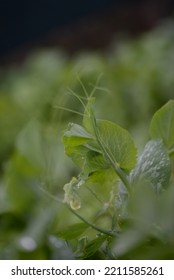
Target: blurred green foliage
[136,79]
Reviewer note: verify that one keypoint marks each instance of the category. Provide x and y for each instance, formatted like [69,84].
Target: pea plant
[123,198]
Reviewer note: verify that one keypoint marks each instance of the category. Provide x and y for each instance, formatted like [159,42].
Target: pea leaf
[162,124]
[73,231]
[77,154]
[75,135]
[95,161]
[153,165]
[102,182]
[118,143]
[81,147]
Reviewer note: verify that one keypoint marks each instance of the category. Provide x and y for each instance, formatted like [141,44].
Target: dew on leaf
[153,165]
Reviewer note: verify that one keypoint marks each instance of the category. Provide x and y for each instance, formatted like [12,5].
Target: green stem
[110,233]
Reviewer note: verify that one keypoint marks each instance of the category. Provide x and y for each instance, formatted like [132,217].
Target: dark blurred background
[73,25]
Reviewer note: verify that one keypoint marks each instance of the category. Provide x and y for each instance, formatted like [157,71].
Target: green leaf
[162,124]
[73,231]
[75,135]
[93,246]
[94,161]
[153,165]
[83,150]
[102,182]
[118,144]
[77,154]
[89,161]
